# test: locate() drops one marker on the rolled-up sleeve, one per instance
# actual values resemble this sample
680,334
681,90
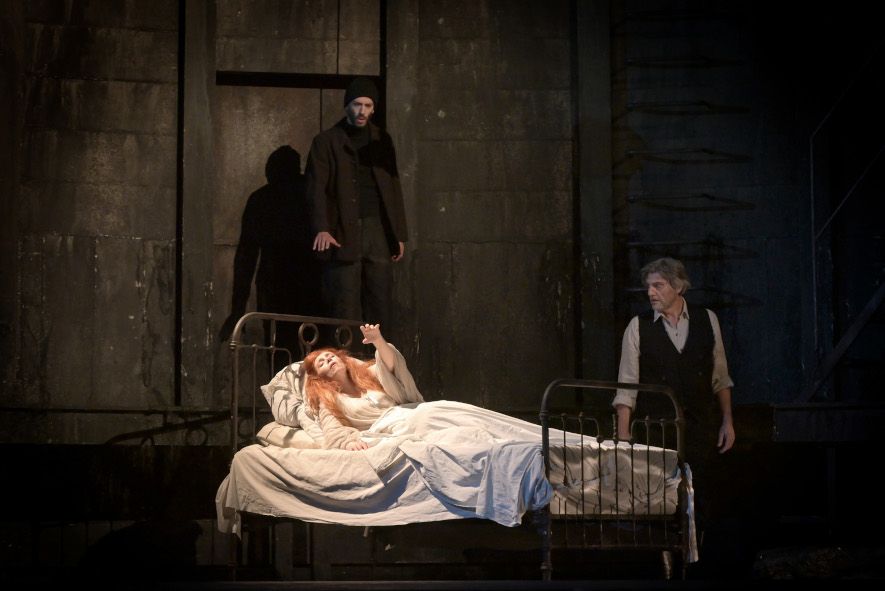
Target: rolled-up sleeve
398,384
628,372
721,379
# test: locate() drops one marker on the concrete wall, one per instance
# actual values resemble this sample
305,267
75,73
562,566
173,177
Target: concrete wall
708,164
92,196
251,121
713,110
709,168
118,221
481,118
494,276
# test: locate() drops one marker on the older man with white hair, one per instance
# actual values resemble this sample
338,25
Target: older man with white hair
682,348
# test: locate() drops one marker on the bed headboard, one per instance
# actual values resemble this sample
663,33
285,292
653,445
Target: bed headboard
263,343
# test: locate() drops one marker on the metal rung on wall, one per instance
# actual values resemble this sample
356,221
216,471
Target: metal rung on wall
683,108
688,61
673,15
688,156
698,202
712,249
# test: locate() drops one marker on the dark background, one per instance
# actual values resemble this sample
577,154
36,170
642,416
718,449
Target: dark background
547,151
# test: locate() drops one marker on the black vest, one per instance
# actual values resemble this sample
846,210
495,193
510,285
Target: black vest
689,373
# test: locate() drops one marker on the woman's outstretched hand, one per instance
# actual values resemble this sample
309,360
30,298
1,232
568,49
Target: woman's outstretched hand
371,334
356,445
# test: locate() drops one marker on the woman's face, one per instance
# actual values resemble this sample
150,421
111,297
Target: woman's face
328,365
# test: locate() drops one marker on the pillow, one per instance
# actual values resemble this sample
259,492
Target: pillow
279,435
290,380
284,395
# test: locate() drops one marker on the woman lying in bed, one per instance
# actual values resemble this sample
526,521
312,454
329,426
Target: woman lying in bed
356,403
346,394
417,461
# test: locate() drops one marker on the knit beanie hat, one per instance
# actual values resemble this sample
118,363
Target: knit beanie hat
361,87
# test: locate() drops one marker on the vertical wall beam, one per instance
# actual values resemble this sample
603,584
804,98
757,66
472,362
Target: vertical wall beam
195,202
11,120
399,69
598,351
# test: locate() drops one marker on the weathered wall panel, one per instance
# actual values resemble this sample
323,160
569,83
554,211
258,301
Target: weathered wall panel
96,223
68,310
250,123
359,41
93,105
104,13
494,201
11,121
96,209
71,51
709,169
194,225
299,37
28,366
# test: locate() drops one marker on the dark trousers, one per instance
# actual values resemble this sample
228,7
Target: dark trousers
360,290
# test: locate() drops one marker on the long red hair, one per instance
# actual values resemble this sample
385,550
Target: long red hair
320,391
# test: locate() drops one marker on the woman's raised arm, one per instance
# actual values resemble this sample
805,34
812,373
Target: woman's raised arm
372,334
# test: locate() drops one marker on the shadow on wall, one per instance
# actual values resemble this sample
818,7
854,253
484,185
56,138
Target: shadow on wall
276,237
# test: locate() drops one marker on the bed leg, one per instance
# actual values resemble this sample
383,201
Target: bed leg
542,523
233,556
667,564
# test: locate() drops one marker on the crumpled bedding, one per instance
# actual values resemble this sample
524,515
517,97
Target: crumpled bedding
609,479
447,460
426,462
431,461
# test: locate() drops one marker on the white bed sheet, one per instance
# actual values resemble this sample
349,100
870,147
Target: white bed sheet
606,479
427,462
446,460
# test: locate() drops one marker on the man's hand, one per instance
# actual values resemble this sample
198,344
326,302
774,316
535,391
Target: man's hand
402,250
324,241
726,436
623,411
356,445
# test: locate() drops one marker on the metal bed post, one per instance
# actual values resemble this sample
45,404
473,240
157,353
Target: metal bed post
678,422
344,338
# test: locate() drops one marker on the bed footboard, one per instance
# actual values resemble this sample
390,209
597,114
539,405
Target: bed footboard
608,493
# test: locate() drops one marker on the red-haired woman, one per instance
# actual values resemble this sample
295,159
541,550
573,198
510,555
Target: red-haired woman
347,395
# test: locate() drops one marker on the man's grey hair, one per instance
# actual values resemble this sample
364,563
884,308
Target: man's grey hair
670,269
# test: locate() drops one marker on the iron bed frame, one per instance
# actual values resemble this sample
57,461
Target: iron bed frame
581,531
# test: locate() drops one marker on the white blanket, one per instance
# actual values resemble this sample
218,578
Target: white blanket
426,462
445,460
604,478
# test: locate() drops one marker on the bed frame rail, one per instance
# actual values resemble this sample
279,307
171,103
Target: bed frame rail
287,338
565,406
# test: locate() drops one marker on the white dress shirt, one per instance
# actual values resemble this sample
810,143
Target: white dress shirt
629,369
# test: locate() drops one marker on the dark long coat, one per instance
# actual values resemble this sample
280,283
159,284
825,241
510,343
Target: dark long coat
333,189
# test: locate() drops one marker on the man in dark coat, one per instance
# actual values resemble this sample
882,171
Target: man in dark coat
357,209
